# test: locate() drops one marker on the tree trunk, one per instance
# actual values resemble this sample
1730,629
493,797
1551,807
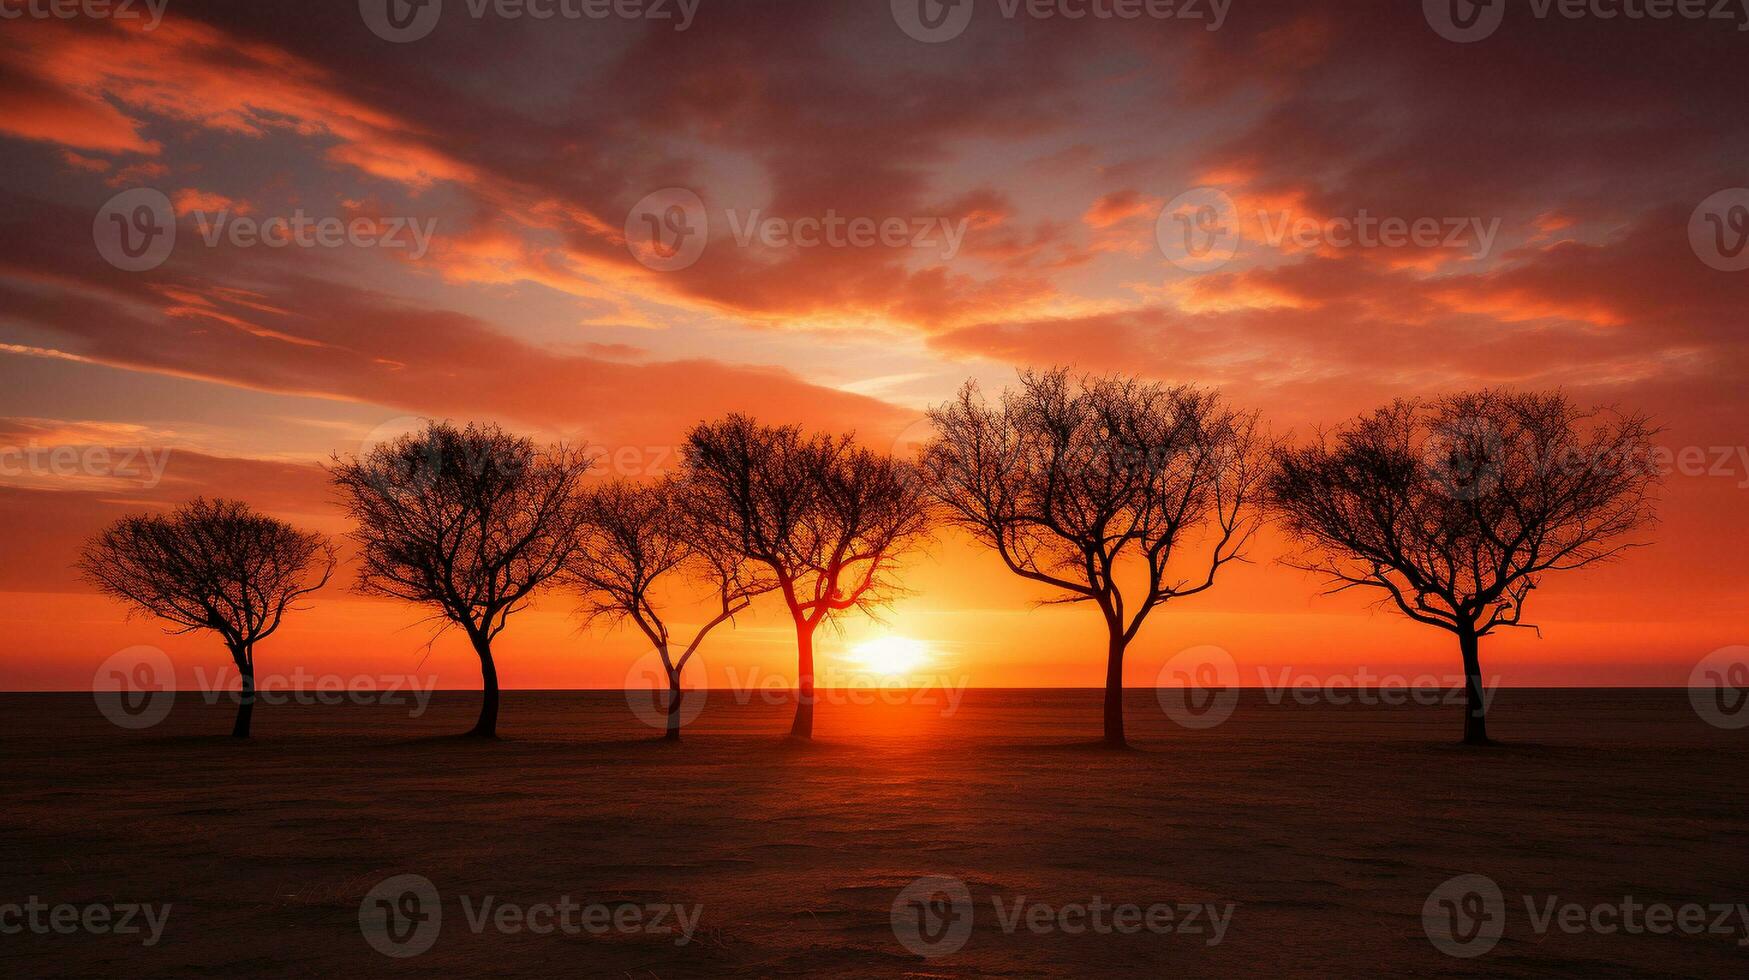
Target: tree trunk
1475,702
673,734
487,726
1114,735
804,723
245,694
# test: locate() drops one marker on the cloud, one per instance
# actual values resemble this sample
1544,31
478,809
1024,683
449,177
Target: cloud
296,334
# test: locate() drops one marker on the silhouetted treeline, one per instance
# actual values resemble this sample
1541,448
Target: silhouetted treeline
1113,491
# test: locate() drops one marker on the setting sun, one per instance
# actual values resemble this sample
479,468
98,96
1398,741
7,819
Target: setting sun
890,656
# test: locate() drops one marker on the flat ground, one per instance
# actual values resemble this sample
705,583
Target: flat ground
1326,828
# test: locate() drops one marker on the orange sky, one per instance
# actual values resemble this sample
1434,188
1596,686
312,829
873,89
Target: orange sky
1584,147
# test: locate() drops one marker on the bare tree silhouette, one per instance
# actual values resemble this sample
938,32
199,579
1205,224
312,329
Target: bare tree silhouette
641,537
1084,484
470,521
211,565
828,518
1453,509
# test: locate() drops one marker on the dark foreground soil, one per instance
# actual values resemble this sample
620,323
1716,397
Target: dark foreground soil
1322,830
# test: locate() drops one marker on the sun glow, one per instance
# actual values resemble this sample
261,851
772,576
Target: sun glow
890,656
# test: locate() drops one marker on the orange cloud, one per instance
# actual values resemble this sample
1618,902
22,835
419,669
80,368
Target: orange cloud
191,199
1120,206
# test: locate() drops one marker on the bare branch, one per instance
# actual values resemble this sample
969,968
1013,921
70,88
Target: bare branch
1082,484
1458,506
210,565
469,521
